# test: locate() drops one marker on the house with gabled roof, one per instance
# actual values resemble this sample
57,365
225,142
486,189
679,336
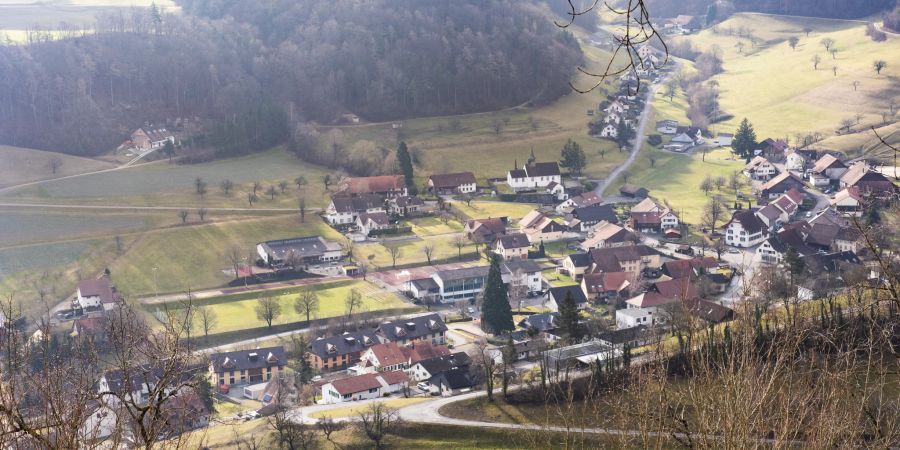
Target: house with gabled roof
426,327
149,138
607,234
689,268
780,184
868,182
96,294
772,149
343,210
829,167
242,367
485,230
772,251
393,356
556,295
586,218
383,185
541,228
745,229
579,201
632,191
452,183
364,387
534,175
848,201
772,216
300,250
759,168
605,285
513,245
795,161
339,351
366,223
632,259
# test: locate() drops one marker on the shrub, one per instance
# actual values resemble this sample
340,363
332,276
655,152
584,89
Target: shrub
654,140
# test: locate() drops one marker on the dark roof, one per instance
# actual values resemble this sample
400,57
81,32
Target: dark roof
458,378
303,247
678,289
524,265
707,310
517,173
543,321
686,267
596,213
748,221
342,344
440,364
515,240
248,359
645,218
452,180
580,259
426,284
790,238
360,203
144,375
408,200
607,259
379,217
493,225
412,328
558,294
624,336
463,273
785,180
831,262
632,189
542,169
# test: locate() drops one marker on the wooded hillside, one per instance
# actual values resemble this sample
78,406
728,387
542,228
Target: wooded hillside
837,9
245,64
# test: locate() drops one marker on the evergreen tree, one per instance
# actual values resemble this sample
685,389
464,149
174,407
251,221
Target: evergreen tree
793,261
204,390
406,167
623,134
744,140
711,13
573,157
496,314
569,318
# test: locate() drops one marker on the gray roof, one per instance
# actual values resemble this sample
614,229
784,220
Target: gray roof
248,359
303,247
425,284
360,203
342,344
514,240
596,213
525,265
412,328
458,378
542,169
558,294
463,273
581,259
543,321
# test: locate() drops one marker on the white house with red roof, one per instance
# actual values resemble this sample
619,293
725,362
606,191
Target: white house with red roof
848,201
94,294
364,387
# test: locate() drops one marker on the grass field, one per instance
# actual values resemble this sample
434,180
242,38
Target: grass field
426,226
352,411
193,257
778,89
236,312
163,184
21,165
481,210
29,226
412,251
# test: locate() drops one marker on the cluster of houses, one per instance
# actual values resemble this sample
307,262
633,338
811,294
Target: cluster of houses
388,359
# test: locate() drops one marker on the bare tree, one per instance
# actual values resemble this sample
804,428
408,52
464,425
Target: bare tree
226,186
706,185
834,70
713,212
816,60
267,309
377,422
855,84
497,124
651,156
301,204
199,185
307,302
807,30
54,164
879,65
352,302
202,214
363,268
428,249
289,434
394,252
282,186
485,366
719,182
847,124
735,182
184,215
271,192
300,181
793,41
459,241
833,52
234,257
827,43
256,187
208,319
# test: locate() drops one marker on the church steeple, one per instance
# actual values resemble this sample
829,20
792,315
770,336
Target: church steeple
532,158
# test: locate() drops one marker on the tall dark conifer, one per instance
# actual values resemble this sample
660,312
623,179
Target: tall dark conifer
569,318
406,167
496,314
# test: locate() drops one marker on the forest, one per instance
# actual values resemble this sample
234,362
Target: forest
246,65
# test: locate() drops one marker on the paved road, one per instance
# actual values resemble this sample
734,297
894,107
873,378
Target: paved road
638,138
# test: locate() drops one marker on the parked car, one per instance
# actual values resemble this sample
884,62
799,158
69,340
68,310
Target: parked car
424,386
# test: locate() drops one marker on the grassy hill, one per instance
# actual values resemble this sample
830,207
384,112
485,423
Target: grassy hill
22,165
778,89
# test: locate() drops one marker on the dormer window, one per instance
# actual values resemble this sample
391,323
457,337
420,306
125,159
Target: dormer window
367,340
350,340
271,358
411,325
253,356
399,331
228,363
331,348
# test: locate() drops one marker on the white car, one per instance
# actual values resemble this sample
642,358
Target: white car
424,386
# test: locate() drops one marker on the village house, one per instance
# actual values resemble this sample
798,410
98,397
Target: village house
632,336
422,328
540,228
556,295
632,191
366,223
453,382
667,126
429,368
868,182
772,217
534,175
485,230
384,185
826,170
301,251
557,190
711,312
243,367
392,356
616,107
93,328
609,131
607,234
848,201
136,383
613,118
724,139
634,317
452,183
779,185
407,206
344,210
340,351
633,259
450,285
745,229
685,23
795,161
96,294
513,245
575,265
759,168
586,218
578,201
772,149
147,138
602,286
689,268
772,251
522,273
364,387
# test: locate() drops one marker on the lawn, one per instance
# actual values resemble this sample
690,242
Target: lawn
236,312
164,184
193,256
778,89
428,226
557,279
21,165
481,210
676,179
352,411
24,226
412,251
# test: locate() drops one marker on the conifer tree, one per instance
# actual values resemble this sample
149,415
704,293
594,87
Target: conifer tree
744,140
406,167
569,318
496,314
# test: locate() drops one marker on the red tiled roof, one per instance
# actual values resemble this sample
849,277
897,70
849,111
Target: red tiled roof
395,377
685,268
359,383
368,185
679,288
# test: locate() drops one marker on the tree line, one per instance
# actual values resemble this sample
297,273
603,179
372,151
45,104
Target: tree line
254,72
